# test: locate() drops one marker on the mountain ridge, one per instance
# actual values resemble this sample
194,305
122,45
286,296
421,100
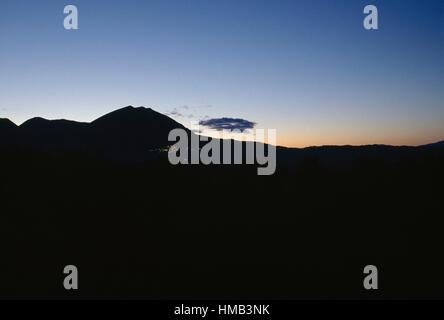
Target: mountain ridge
127,132
127,127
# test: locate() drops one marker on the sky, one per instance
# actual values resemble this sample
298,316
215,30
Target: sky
308,69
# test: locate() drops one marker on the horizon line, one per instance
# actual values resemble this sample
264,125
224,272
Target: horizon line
277,145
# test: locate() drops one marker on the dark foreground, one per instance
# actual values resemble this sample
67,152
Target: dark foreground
153,230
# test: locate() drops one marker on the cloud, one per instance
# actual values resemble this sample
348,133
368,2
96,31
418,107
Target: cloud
220,124
185,111
177,112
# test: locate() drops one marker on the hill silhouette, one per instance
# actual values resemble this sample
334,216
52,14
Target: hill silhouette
143,228
43,134
133,133
136,130
8,131
439,144
128,133
6,124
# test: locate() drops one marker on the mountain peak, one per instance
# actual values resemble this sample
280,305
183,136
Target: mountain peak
132,127
8,131
6,123
132,109
34,121
125,132
133,117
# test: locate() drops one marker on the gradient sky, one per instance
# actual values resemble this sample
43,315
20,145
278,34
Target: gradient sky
306,68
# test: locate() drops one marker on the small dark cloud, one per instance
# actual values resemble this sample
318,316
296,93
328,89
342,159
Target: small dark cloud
220,124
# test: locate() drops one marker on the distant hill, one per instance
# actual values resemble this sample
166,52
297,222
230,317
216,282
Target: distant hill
439,144
8,131
139,133
141,228
7,124
6,127
133,128
125,133
54,134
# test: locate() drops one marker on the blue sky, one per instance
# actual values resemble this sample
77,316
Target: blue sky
306,68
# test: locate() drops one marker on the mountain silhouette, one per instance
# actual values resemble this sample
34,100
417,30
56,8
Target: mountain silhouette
65,199
8,131
133,128
6,124
439,144
132,133
39,133
124,133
